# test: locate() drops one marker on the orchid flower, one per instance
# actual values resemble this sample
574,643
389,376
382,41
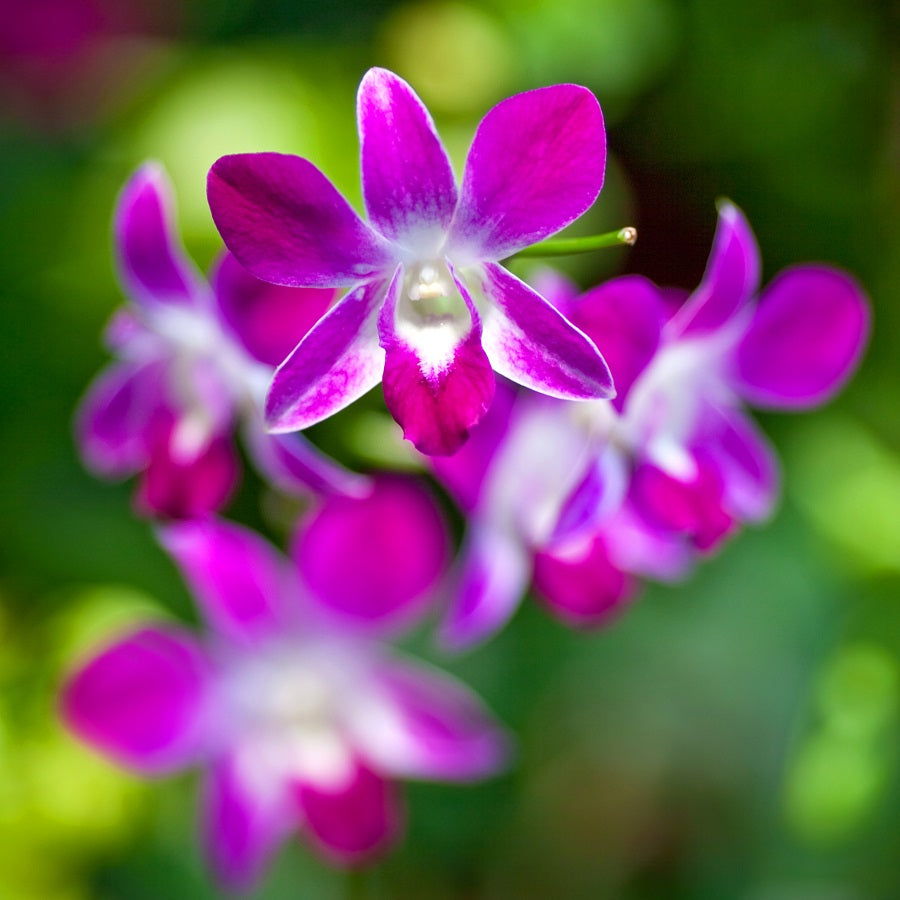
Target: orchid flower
580,497
430,311
194,361
301,716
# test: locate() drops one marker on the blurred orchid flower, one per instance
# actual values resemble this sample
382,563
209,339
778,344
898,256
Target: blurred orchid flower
299,713
430,311
580,497
194,361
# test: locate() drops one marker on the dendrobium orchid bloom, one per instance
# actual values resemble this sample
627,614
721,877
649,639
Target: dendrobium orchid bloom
578,495
430,311
195,359
302,718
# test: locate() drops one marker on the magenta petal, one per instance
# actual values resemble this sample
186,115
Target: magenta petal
436,396
238,579
151,260
805,339
407,180
691,506
354,822
437,412
241,832
296,466
375,559
536,165
636,545
113,420
184,488
748,467
494,571
531,343
141,701
287,223
446,732
730,280
268,319
624,318
583,587
336,363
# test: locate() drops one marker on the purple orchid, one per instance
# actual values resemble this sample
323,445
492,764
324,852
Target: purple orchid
430,312
578,495
194,361
302,718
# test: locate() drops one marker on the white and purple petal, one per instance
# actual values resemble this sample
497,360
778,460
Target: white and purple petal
151,261
535,165
239,580
336,363
142,701
529,342
241,829
113,421
493,574
433,727
407,180
296,466
747,464
805,339
287,223
375,560
730,281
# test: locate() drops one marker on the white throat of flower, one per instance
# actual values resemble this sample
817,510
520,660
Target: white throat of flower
432,317
286,708
193,340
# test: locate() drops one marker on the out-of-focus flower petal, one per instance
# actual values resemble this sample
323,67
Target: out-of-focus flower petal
730,280
748,466
294,465
437,380
241,829
805,340
531,343
624,318
437,728
494,570
152,263
535,165
582,587
268,319
596,496
408,184
374,560
183,486
142,701
636,545
464,472
690,505
337,362
113,420
287,223
238,578
355,821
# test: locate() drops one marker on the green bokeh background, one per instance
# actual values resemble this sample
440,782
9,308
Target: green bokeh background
732,737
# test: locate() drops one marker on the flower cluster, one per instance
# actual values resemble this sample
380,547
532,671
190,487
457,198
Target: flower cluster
629,456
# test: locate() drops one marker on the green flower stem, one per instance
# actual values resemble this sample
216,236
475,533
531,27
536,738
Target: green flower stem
567,246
